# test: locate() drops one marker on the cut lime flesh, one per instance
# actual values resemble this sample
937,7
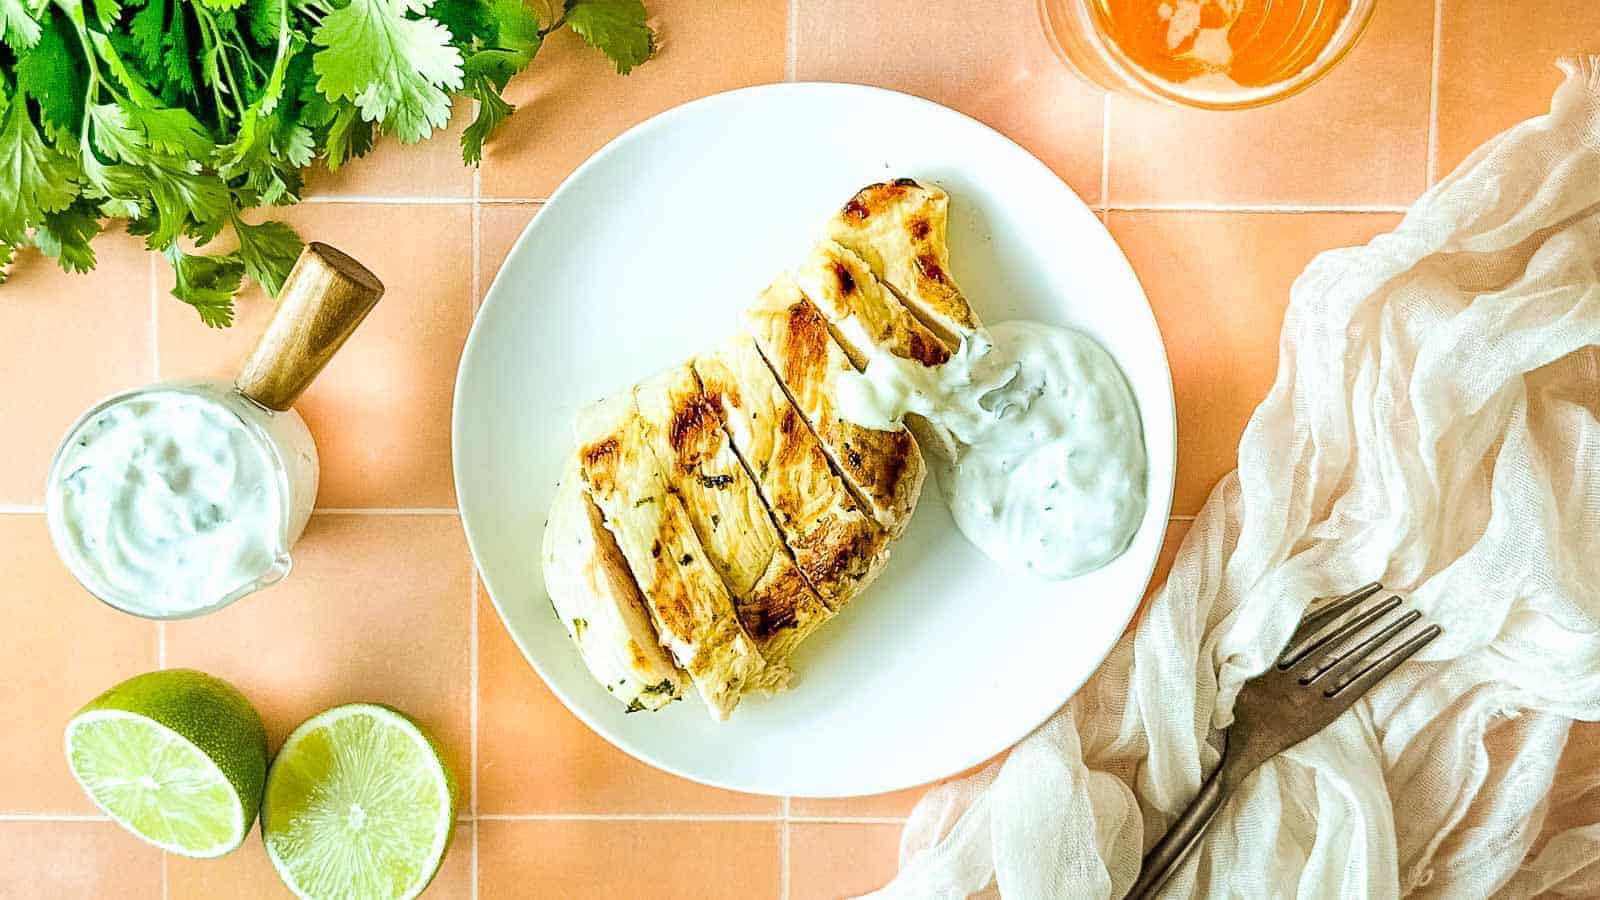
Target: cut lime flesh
358,805
155,783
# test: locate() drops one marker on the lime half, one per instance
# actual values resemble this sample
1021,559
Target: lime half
359,805
176,756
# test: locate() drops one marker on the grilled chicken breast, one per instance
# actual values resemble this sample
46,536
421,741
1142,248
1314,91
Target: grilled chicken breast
861,313
884,468
900,229
684,428
844,289
692,611
837,546
595,597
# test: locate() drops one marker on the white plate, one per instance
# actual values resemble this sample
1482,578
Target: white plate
645,255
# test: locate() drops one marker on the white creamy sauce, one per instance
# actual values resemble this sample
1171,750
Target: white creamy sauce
1048,469
169,503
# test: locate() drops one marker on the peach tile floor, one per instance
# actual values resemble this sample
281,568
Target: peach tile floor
1218,213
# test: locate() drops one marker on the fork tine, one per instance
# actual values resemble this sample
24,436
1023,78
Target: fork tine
1351,658
1360,682
1333,609
1336,637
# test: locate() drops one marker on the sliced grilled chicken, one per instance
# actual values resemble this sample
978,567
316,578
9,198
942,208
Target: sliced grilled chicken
684,428
691,609
861,312
900,229
838,547
884,468
596,598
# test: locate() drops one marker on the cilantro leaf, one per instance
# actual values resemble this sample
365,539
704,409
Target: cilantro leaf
268,251
173,131
17,27
207,283
112,133
52,72
34,178
616,28
466,19
266,18
348,137
148,30
492,110
65,235
395,68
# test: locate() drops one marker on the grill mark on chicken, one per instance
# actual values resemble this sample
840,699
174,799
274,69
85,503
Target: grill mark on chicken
600,462
919,229
842,276
928,265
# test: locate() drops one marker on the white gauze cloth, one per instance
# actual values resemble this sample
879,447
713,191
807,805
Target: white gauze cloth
1435,424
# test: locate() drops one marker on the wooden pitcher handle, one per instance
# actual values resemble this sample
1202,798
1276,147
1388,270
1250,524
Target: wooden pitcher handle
325,297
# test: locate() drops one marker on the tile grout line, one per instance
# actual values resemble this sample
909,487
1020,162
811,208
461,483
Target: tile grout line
1431,172
20,509
472,571
1257,208
1105,153
165,858
51,817
627,817
354,200
385,511
1180,518
785,877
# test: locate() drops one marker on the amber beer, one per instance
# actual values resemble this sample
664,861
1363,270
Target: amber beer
1218,53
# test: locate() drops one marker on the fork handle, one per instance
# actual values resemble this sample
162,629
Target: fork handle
1164,857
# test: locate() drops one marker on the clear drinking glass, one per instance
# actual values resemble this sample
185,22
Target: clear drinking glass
1210,54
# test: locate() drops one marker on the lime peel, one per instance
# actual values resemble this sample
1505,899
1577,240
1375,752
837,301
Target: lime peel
175,756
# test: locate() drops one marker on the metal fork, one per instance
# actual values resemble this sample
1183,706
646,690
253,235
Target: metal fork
1318,676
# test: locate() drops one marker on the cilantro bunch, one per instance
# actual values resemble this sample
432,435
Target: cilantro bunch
178,115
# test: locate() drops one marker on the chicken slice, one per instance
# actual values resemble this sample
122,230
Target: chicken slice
884,468
844,289
596,598
684,428
693,614
900,229
837,546
862,313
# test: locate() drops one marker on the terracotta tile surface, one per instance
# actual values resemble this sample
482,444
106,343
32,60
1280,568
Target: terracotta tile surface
830,861
432,168
988,60
1219,283
76,859
897,804
247,873
601,860
73,339
380,412
1357,137
572,770
380,603
1478,101
377,609
571,101
61,648
499,227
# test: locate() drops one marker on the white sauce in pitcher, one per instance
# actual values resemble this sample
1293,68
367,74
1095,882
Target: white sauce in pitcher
1048,473
167,503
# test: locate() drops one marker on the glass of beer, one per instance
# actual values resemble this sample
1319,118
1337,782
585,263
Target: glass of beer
1212,54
